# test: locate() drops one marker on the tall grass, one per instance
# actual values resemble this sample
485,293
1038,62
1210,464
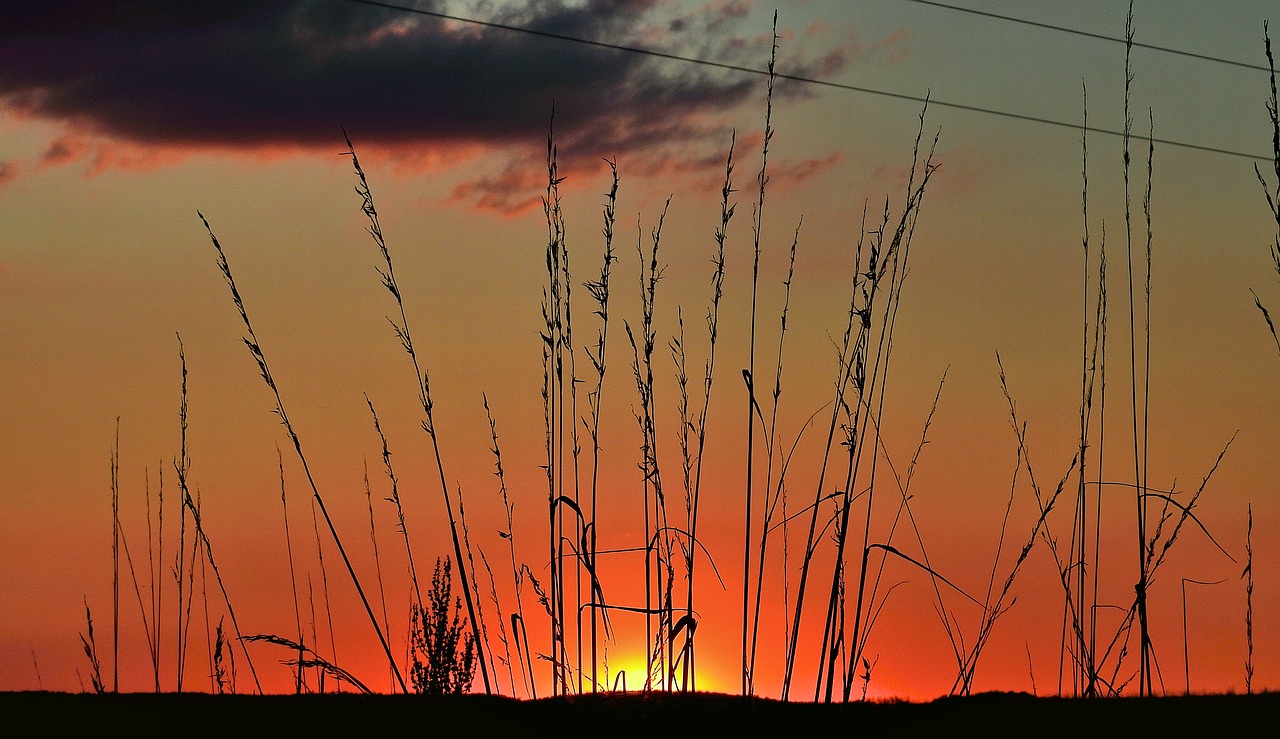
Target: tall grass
517,577
377,559
1272,195
748,374
148,627
1085,644
599,292
200,539
774,489
115,562
842,525
293,575
554,308
699,430
656,540
154,567
423,383
507,534
394,499
1270,192
1247,574
255,350
120,542
993,609
877,292
90,645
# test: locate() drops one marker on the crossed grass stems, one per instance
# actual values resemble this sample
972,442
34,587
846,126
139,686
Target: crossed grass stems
1095,661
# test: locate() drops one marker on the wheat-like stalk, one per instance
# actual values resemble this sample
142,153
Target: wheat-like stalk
255,351
421,379
599,291
762,179
713,326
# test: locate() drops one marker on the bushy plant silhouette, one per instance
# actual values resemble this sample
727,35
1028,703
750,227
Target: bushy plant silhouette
444,657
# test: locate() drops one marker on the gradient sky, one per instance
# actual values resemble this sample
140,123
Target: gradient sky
116,126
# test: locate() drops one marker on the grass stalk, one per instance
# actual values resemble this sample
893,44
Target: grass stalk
377,560
689,678
1247,574
1273,197
967,660
994,609
762,180
394,499
1146,333
517,577
293,577
255,350
502,633
599,291
1100,352
680,358
770,446
1273,205
324,587
936,580
575,448
153,634
193,556
1186,657
553,407
90,646
312,660
191,507
844,373
423,383
210,639
1144,673
147,624
480,639
182,467
180,639
887,261
157,576
899,254
657,552
1072,624
1083,592
115,562
1081,523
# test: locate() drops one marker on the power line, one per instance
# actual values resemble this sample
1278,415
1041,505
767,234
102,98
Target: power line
1099,36
929,100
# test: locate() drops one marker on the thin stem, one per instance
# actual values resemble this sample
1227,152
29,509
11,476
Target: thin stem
749,373
255,350
423,383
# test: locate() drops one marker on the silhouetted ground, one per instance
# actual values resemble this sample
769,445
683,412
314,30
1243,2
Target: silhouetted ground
699,714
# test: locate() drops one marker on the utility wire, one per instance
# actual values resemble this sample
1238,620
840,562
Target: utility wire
1088,34
929,100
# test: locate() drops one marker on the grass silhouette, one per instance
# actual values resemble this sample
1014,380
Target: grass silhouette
845,537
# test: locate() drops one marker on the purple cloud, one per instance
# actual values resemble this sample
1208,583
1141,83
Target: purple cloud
288,74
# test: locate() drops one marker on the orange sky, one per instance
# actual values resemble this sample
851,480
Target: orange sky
104,264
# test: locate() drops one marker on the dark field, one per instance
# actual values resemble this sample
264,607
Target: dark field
703,714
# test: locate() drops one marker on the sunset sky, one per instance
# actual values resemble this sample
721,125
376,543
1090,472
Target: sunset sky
119,124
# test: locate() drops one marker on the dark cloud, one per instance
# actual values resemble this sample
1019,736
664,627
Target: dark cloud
63,17
245,74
